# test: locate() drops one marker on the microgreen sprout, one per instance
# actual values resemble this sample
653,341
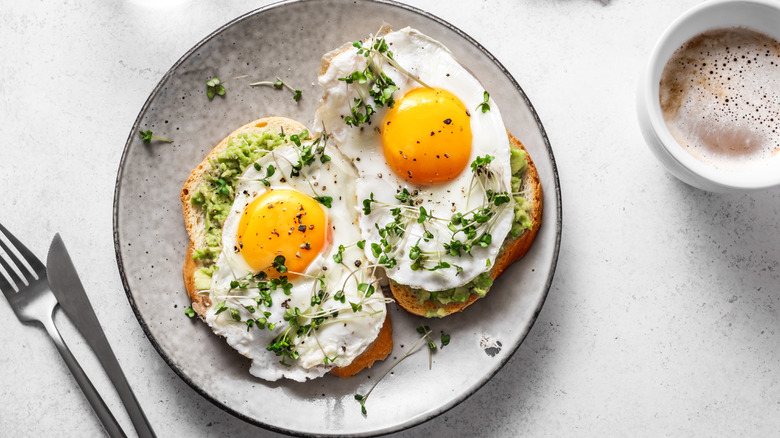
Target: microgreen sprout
423,215
222,186
425,331
367,204
278,84
308,153
147,137
484,106
220,307
214,88
405,197
367,289
269,172
279,264
339,256
189,311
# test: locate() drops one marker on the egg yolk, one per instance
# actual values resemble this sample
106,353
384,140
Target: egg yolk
426,136
282,222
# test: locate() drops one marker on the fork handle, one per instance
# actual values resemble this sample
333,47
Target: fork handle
98,405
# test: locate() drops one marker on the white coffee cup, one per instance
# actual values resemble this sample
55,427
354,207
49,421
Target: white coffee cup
759,15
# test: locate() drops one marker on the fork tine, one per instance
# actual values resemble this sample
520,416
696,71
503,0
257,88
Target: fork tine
35,264
20,280
5,286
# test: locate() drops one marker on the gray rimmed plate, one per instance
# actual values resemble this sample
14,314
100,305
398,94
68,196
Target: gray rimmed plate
287,40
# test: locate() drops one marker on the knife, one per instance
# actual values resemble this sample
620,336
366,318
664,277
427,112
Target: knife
65,284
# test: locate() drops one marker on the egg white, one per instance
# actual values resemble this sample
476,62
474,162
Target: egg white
354,331
435,65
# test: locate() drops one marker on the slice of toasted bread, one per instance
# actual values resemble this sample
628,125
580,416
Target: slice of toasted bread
193,216
511,250
194,220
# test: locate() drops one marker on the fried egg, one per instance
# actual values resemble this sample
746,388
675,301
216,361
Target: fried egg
434,166
278,295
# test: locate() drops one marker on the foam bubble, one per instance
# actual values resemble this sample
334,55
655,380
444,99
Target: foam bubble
720,97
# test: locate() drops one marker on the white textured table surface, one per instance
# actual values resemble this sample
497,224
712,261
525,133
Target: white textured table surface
664,314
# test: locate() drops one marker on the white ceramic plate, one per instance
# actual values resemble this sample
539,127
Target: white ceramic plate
287,40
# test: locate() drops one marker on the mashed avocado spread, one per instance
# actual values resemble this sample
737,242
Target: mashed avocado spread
217,191
480,284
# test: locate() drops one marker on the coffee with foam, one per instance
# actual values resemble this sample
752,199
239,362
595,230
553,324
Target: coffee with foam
720,97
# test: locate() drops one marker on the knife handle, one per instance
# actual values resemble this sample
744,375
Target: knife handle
117,377
99,344
98,405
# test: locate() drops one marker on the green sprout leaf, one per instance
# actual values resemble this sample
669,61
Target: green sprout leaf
278,84
376,249
423,215
214,88
367,289
367,204
147,137
279,264
221,307
324,200
405,197
484,107
501,198
339,256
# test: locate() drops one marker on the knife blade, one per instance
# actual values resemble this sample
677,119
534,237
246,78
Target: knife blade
66,285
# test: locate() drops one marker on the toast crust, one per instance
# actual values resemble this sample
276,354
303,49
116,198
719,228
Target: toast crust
379,349
510,252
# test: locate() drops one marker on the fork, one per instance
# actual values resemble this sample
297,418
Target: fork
27,290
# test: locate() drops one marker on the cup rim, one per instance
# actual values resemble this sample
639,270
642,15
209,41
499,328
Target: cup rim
724,179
